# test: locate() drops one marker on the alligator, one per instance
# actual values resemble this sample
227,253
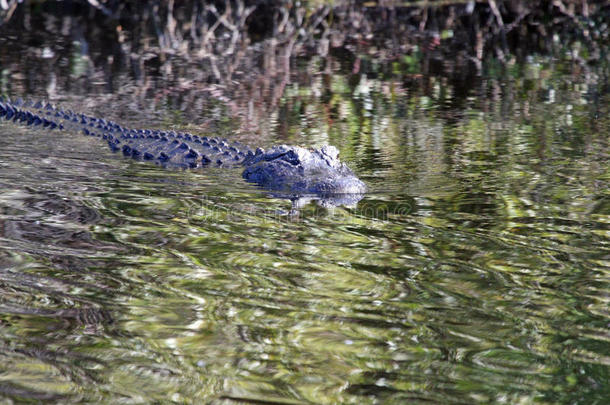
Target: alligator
291,172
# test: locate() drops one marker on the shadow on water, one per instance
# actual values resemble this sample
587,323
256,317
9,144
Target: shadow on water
476,269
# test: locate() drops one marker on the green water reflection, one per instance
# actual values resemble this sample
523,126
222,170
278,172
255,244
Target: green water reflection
476,270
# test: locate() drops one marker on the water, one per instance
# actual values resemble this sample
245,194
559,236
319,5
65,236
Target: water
477,269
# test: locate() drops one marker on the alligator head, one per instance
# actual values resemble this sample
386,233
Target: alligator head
316,174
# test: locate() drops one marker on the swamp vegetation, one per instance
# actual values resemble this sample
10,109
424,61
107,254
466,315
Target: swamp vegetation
475,270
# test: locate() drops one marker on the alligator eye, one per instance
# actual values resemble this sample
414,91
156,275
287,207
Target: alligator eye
291,157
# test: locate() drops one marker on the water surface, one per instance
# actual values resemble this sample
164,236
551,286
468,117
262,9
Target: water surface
477,269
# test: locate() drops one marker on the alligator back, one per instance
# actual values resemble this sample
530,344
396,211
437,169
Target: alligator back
167,148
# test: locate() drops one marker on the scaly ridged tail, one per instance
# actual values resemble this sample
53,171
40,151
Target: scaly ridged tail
168,148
